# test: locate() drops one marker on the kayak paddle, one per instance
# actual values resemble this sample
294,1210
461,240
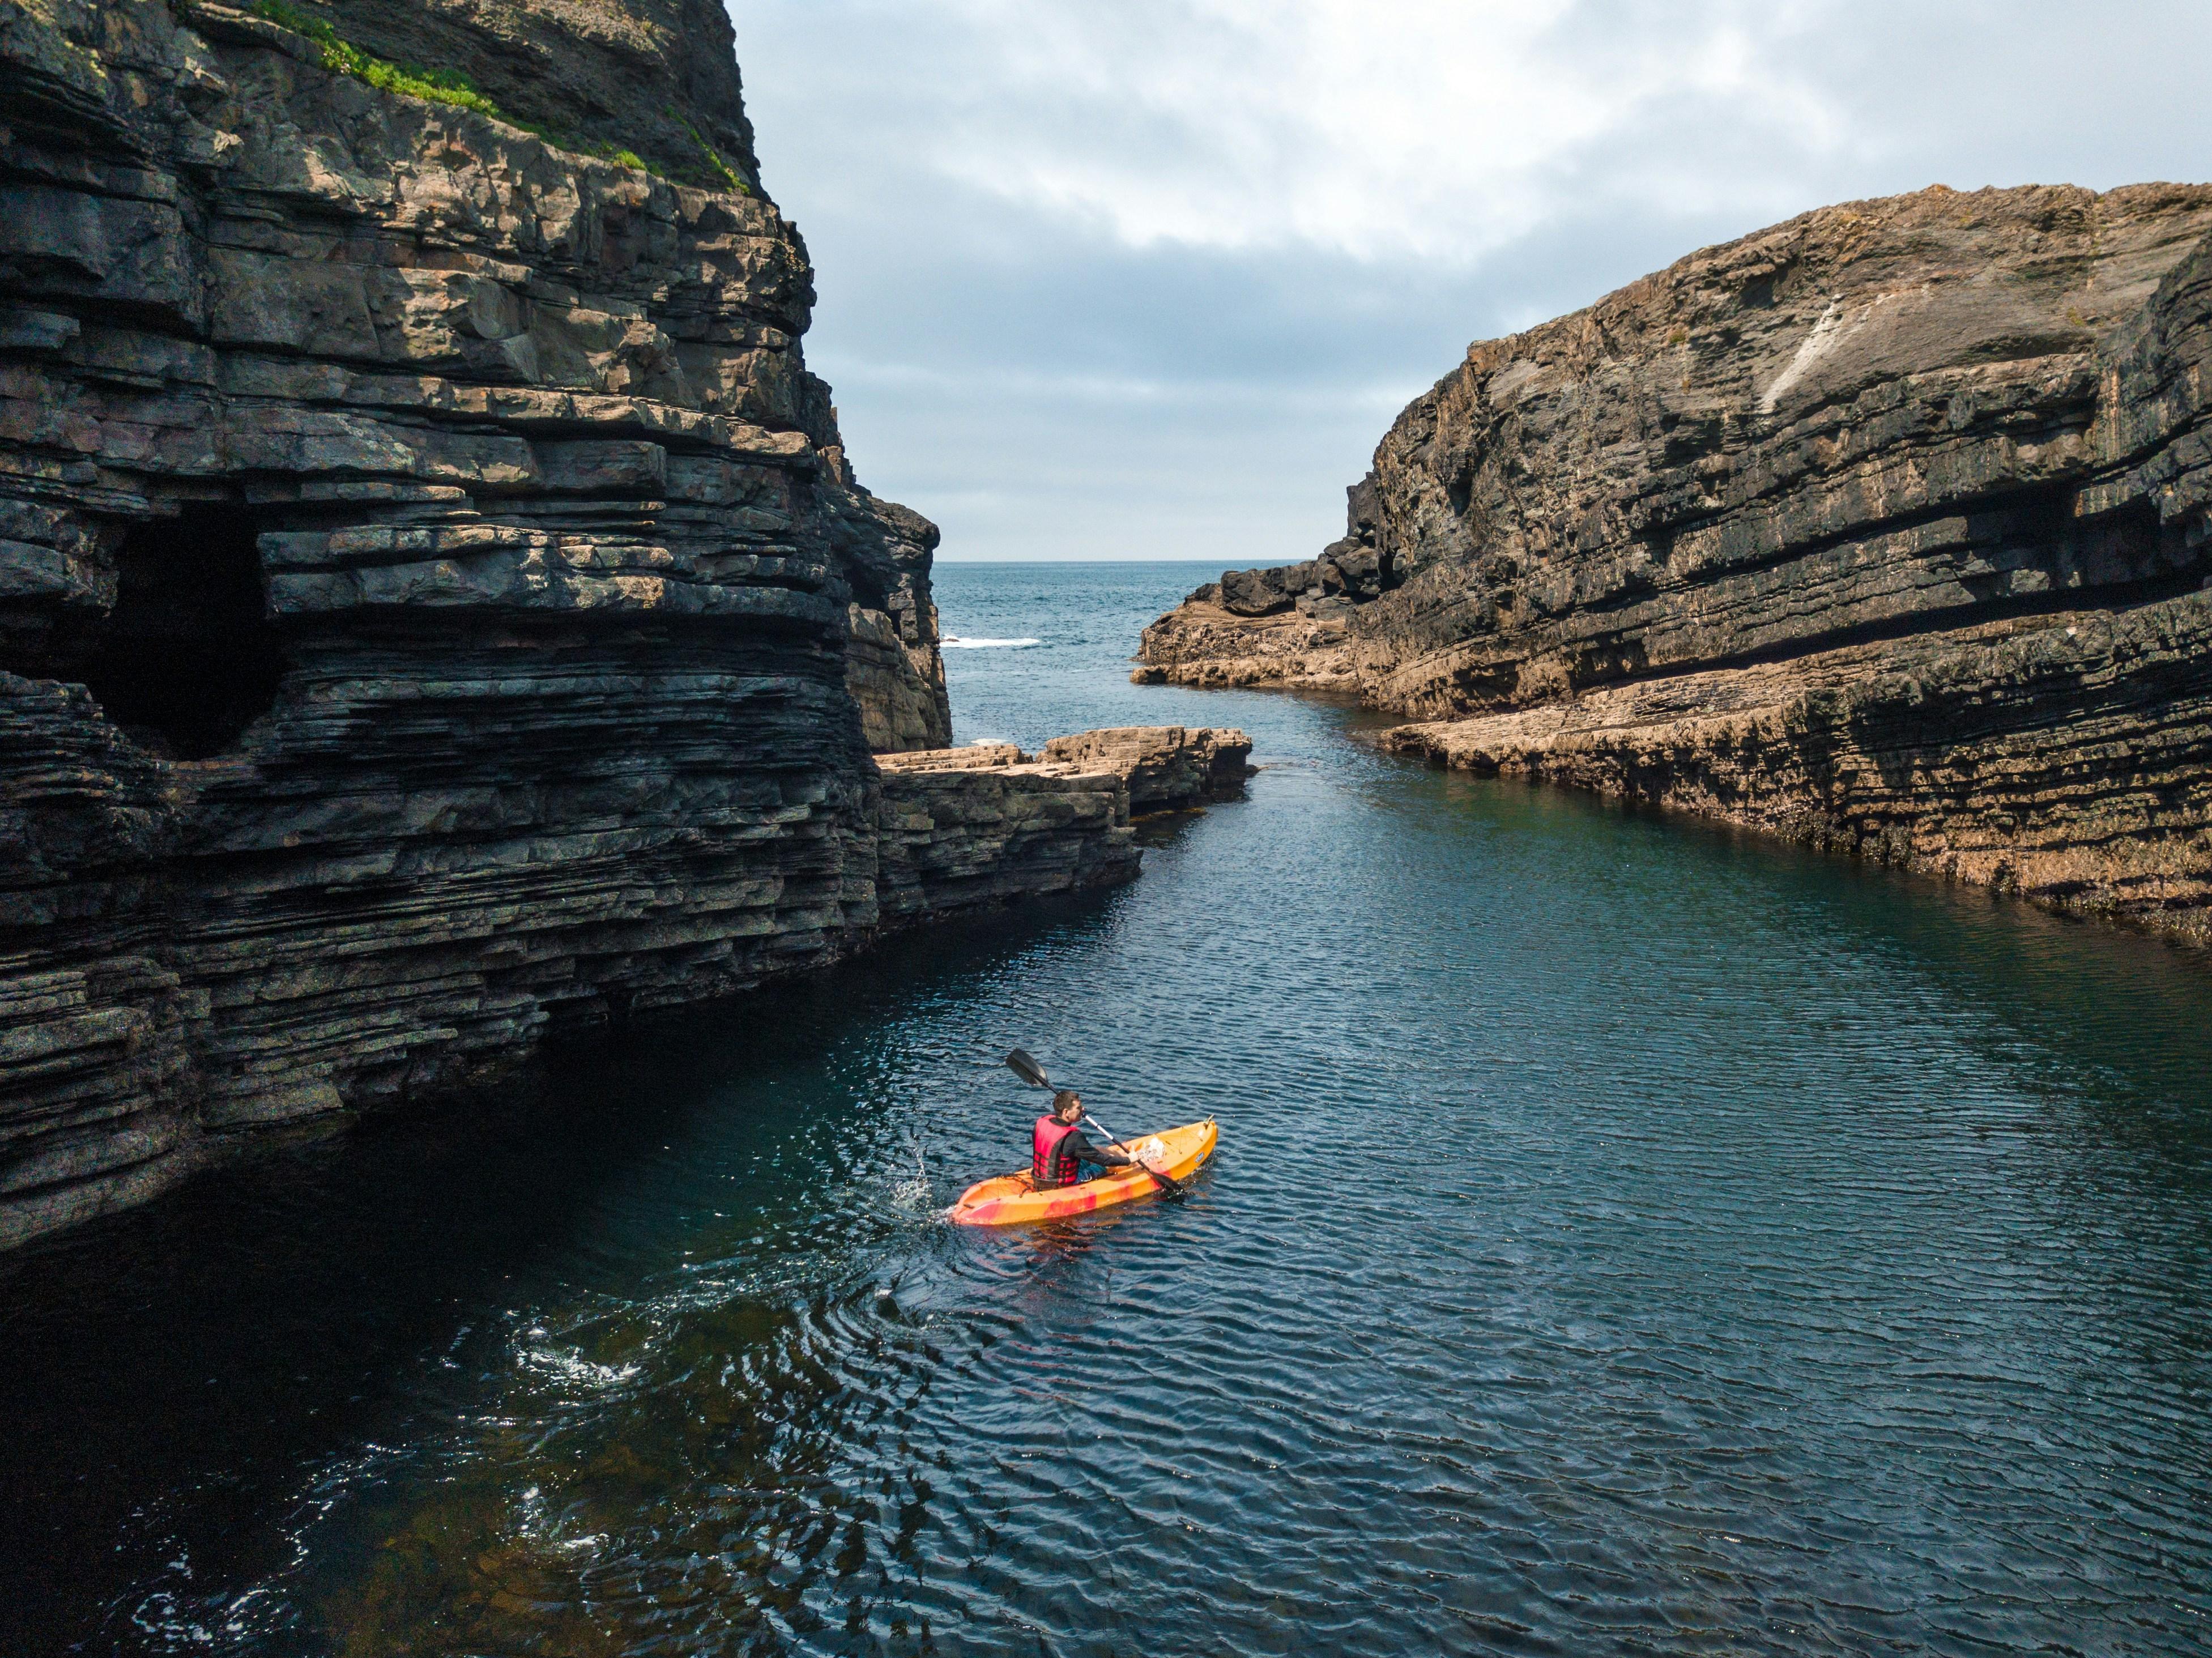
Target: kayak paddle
1033,1073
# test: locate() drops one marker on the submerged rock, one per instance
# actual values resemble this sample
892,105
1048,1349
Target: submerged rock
1888,527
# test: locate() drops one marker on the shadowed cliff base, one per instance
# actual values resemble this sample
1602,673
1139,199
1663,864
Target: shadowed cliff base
1887,529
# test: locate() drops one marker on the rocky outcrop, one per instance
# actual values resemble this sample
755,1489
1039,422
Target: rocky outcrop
2068,758
1166,767
977,825
1886,528
435,603
970,828
1201,642
1158,767
657,79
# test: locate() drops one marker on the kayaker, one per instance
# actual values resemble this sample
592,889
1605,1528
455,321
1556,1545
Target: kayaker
1059,1147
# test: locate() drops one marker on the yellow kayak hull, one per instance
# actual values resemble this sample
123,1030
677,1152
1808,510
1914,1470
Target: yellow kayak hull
1010,1200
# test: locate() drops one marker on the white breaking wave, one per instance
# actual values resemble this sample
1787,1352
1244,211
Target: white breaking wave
957,643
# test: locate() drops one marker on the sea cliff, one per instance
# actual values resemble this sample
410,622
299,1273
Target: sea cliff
435,604
1889,528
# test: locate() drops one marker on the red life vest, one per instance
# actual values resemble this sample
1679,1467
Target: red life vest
1050,1167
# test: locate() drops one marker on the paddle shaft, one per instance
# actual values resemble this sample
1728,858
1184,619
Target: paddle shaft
1159,1174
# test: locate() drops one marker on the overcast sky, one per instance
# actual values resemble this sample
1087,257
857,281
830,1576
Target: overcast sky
1149,279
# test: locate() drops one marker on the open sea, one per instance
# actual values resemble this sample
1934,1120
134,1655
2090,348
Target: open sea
1627,1236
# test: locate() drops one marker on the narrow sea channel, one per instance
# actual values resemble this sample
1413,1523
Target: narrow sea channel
1627,1237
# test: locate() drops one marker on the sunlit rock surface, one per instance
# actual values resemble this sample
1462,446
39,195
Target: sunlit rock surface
1886,528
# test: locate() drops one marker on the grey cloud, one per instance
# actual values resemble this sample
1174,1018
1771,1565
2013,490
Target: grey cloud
1044,388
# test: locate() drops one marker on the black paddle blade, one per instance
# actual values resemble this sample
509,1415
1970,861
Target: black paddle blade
1027,1069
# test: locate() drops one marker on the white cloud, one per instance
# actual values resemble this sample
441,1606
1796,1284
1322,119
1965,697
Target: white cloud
1373,128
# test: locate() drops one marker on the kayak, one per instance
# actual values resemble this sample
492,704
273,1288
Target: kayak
1009,1200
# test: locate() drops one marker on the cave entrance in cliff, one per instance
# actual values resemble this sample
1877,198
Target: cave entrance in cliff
188,658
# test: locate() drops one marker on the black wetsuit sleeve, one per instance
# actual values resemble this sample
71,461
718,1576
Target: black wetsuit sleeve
1102,1156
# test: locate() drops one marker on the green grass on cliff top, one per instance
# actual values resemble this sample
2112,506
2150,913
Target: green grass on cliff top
439,85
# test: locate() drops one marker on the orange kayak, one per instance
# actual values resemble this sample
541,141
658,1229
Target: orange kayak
1007,1199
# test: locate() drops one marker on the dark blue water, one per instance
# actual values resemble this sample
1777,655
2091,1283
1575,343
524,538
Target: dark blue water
1627,1237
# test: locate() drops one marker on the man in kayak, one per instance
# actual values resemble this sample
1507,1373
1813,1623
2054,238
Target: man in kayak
1059,1147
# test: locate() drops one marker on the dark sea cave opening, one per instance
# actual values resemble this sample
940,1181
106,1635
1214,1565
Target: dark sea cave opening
188,658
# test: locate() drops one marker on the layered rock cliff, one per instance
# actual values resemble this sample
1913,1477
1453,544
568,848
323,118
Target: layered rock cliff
1887,528
435,603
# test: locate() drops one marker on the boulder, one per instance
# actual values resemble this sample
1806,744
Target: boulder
1265,592
1352,567
1253,592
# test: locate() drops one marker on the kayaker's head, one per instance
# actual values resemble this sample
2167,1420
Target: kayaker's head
1067,1106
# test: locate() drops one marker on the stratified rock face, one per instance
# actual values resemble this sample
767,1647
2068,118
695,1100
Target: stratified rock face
965,828
2068,758
1884,526
1202,642
1158,767
434,601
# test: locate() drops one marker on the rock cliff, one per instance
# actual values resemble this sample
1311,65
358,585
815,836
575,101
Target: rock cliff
1887,528
434,602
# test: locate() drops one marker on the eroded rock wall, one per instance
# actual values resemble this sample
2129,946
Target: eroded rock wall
1160,768
1886,527
971,827
432,587
658,78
